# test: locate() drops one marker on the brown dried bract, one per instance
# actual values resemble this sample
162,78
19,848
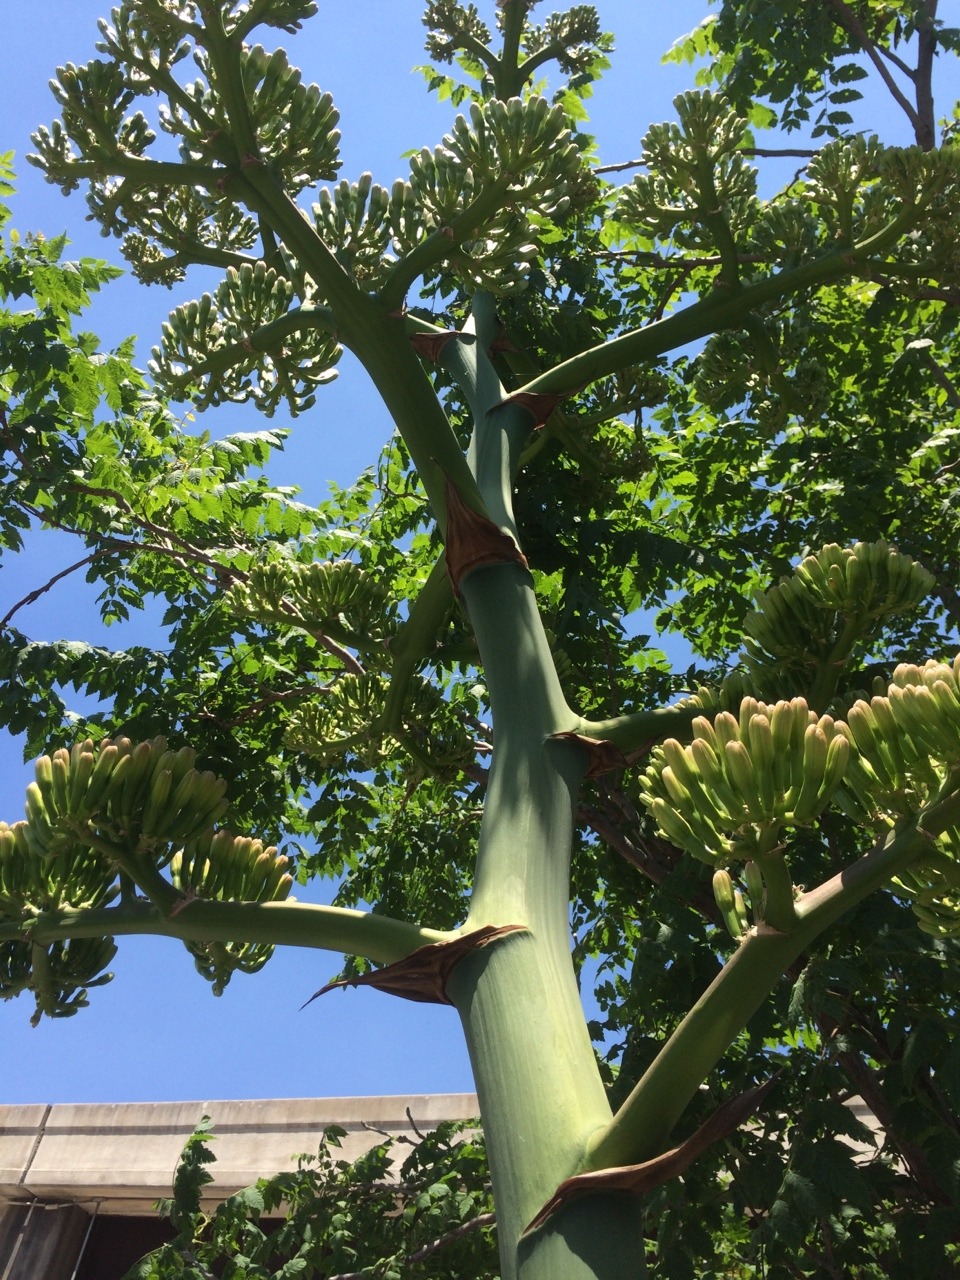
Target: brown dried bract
604,756
424,973
639,1179
431,345
473,540
539,407
503,343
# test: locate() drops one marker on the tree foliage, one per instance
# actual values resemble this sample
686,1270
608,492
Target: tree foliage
677,410
426,1213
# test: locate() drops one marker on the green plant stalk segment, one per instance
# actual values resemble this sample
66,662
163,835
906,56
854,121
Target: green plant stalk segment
291,924
541,1095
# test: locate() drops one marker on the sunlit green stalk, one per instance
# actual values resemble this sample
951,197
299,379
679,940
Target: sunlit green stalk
711,314
293,924
541,1095
643,1124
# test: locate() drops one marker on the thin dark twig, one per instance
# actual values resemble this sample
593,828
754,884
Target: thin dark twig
775,153
183,557
142,522
647,860
897,61
661,262
940,375
413,1124
113,495
855,28
770,153
879,273
338,651
261,704
618,168
391,1137
113,543
481,1220
35,595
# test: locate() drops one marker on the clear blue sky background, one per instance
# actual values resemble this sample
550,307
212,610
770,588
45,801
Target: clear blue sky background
156,1033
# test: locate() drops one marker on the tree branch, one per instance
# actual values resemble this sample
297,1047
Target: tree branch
942,378
926,52
663,262
896,61
481,1220
35,595
864,1080
254,708
855,28
645,856
773,153
111,543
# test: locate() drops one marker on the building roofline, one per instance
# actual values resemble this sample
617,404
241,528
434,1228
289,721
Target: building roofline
121,1157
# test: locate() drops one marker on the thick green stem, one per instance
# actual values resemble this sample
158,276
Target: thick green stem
828,673
415,640
377,339
540,1099
527,706
226,78
642,1125
441,244
507,77
141,870
149,174
640,729
380,343
293,924
541,1096
714,218
268,337
500,429
779,908
718,311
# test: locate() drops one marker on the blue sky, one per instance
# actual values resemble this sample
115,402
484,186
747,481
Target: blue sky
156,1032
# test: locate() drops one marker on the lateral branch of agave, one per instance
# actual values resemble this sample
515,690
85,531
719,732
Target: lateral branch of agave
104,820
733,793
807,625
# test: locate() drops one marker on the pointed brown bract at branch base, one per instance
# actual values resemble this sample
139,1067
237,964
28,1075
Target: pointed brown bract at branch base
423,974
431,345
604,756
639,1179
539,407
503,343
473,540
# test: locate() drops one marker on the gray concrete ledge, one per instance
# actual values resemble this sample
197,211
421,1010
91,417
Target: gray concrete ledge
122,1156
